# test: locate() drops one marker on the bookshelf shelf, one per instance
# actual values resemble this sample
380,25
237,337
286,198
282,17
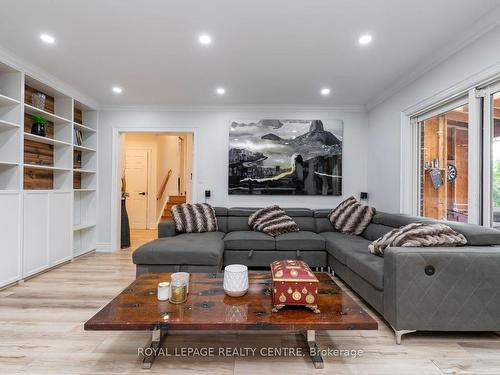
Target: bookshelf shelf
46,167
83,226
45,140
7,125
83,148
83,128
7,101
29,109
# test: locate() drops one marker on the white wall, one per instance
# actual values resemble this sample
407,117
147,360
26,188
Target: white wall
211,155
384,135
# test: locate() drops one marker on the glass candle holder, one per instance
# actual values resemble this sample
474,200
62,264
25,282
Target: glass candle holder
178,291
38,100
181,276
163,291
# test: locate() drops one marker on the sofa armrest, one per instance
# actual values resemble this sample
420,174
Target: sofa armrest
442,288
166,228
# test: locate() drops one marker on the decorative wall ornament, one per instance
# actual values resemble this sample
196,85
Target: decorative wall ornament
286,157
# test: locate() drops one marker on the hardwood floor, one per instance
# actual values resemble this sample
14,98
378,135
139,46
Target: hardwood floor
41,332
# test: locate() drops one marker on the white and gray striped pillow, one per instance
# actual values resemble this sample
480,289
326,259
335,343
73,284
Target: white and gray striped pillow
273,221
351,217
417,235
194,218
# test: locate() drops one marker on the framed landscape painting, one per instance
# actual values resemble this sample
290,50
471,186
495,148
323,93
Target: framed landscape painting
286,157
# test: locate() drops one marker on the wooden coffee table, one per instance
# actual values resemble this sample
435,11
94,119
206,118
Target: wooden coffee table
208,308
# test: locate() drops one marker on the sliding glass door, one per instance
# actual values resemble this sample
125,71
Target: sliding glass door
491,164
444,169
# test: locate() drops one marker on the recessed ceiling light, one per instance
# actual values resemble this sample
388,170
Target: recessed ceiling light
49,39
365,39
325,91
117,90
220,90
205,39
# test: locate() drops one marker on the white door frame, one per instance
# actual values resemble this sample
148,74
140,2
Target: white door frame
115,175
410,169
487,93
470,86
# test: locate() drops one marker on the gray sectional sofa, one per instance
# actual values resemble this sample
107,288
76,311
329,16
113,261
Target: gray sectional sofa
441,289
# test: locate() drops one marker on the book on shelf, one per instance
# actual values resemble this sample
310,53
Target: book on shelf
78,137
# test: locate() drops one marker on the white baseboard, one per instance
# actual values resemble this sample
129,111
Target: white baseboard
104,247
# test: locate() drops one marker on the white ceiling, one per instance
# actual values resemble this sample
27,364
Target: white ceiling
263,52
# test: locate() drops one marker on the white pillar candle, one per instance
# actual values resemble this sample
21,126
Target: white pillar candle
164,291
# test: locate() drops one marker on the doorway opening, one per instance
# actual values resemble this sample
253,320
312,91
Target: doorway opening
156,173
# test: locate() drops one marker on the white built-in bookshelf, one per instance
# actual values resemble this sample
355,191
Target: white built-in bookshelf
48,184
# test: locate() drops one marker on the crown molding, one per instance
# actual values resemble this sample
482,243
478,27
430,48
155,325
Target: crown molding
482,26
16,62
235,108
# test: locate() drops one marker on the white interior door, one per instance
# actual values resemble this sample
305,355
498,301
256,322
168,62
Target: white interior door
136,175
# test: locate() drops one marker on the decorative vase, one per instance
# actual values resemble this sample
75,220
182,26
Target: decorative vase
125,234
38,129
235,280
38,100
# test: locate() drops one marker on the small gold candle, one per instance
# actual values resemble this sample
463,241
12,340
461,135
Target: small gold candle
178,291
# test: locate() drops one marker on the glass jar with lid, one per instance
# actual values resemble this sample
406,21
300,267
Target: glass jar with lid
178,291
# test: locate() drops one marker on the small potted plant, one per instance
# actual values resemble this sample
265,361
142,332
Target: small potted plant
38,127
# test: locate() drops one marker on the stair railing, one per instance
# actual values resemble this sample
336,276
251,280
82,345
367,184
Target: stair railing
164,185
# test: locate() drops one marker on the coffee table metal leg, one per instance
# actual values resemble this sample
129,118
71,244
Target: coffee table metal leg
157,337
314,353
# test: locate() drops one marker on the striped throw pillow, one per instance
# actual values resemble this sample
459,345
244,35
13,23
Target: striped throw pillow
351,217
417,235
272,221
194,218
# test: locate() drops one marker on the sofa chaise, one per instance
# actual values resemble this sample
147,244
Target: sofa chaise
425,288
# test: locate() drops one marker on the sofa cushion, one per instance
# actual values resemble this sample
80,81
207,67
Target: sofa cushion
187,248
368,266
248,240
397,220
303,240
322,213
324,225
340,245
476,235
353,252
374,231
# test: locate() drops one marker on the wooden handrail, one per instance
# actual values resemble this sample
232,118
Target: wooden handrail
164,185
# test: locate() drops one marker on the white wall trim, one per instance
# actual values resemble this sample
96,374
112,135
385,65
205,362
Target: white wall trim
104,247
474,32
236,108
115,175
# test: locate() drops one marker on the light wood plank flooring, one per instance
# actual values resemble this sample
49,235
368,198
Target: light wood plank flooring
41,332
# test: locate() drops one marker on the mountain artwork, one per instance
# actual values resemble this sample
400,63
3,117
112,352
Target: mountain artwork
286,157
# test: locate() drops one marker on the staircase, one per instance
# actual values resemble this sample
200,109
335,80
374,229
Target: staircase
172,201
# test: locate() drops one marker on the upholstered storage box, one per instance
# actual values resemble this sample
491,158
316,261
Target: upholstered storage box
294,284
